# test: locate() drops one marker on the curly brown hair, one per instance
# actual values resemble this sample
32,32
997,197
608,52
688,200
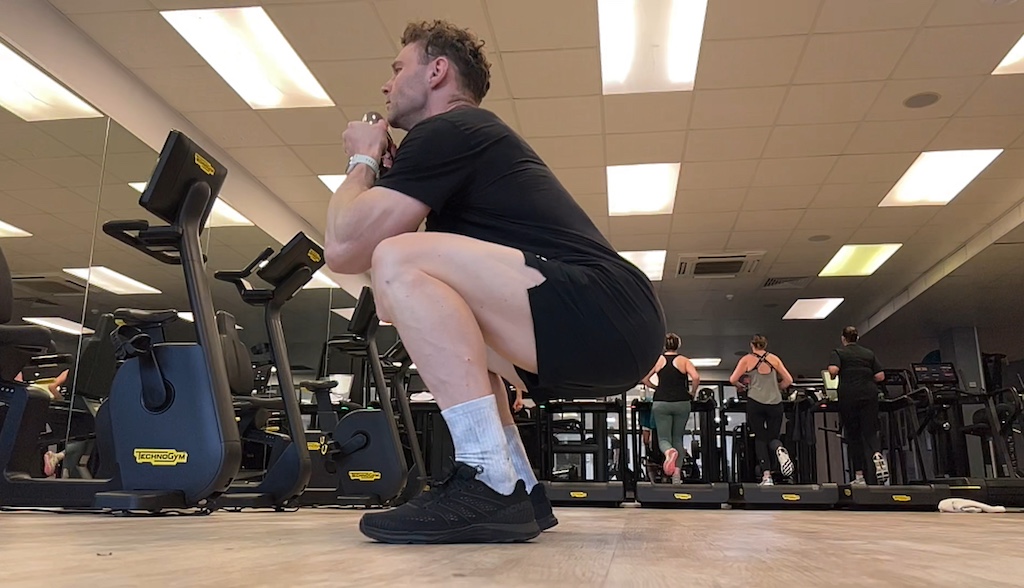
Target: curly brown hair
460,46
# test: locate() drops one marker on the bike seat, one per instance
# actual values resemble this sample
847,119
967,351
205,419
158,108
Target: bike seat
260,402
137,317
318,385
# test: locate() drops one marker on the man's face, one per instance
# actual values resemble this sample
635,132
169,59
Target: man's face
407,90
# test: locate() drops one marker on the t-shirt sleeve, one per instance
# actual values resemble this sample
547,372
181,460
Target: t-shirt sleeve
833,358
433,163
876,366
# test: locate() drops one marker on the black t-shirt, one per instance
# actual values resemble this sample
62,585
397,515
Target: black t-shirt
482,180
673,385
857,368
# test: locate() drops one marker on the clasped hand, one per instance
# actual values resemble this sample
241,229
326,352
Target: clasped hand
362,138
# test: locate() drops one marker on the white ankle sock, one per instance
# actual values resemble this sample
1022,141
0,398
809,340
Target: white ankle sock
480,442
520,461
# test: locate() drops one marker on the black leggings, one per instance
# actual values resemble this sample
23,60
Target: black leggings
859,418
765,421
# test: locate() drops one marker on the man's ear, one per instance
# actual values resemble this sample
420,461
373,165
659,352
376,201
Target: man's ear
439,70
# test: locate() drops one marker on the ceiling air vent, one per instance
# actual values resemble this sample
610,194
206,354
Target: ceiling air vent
40,286
786,283
718,265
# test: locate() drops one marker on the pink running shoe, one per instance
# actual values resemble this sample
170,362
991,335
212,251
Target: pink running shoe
50,462
669,467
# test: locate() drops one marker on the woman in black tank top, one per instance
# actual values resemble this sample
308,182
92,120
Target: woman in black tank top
671,407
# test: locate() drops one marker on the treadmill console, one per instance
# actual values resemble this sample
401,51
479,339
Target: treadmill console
935,374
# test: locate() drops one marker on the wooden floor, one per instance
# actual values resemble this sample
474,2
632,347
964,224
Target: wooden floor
591,547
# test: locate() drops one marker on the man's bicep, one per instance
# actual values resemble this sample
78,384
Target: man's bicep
383,213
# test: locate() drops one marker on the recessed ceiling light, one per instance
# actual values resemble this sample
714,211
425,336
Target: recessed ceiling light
33,96
649,45
139,187
859,260
107,279
812,308
7,230
246,48
332,182
188,316
648,188
222,214
922,100
706,361
1013,62
936,177
651,263
59,324
320,281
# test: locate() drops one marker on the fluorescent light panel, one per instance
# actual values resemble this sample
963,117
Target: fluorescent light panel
7,230
320,280
651,263
705,361
188,316
936,177
648,188
1013,63
222,214
859,260
812,308
333,182
33,96
345,313
649,45
57,323
107,279
246,48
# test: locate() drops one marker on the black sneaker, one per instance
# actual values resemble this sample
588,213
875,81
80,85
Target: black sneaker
542,507
461,509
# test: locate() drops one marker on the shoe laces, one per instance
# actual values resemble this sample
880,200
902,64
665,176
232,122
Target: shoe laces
458,477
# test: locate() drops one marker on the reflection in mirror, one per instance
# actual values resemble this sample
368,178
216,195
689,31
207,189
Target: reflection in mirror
52,146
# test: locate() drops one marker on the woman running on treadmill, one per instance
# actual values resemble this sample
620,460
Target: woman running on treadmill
671,407
759,372
859,374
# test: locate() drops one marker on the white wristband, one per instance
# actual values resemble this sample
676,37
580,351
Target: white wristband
365,159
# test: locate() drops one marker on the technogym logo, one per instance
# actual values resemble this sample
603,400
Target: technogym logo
160,457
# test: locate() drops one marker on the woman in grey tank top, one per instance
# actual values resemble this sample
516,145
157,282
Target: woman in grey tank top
758,374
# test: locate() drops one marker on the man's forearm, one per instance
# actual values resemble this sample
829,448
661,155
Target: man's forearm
339,217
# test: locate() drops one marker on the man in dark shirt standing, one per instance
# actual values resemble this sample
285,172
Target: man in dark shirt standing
859,374
511,280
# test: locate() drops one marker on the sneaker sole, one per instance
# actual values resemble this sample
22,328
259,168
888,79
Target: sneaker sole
547,522
881,470
669,467
785,463
482,533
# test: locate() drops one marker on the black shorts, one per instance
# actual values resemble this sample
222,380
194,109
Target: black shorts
599,331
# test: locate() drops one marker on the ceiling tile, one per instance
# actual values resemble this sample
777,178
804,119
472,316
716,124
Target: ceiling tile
998,95
354,82
793,172
717,174
270,161
54,199
825,219
856,169
559,117
322,159
745,63
985,132
647,113
553,74
639,242
721,200
337,30
743,107
852,57
851,195
759,220
314,212
505,109
899,216
584,180
828,103
192,89
86,136
93,6
779,197
595,205
943,52
703,222
651,224
534,25
119,196
1007,165
893,234
601,222
139,39
235,129
738,19
953,91
10,206
563,152
14,176
129,167
626,149
470,14
870,15
298,188
726,144
25,141
894,136
757,240
306,126
954,12
808,140
698,242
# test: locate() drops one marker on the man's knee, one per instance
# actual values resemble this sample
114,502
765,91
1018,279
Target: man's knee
391,261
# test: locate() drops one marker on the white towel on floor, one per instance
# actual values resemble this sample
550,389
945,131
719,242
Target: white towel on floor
965,505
